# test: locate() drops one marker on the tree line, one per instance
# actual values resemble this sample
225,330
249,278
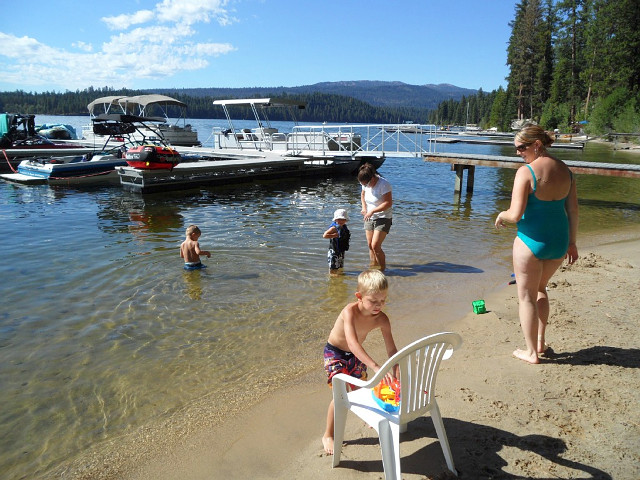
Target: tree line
572,63
320,107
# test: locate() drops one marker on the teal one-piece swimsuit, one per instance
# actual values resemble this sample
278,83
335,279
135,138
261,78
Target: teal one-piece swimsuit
544,227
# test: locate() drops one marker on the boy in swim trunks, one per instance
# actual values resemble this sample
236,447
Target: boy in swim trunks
190,249
344,352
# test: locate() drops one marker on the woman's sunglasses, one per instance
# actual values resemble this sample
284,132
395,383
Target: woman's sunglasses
522,147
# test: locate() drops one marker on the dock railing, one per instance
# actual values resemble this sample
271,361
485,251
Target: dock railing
400,140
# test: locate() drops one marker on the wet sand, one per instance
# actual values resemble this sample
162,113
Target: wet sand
576,415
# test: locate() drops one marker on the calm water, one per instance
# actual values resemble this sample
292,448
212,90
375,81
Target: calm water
103,334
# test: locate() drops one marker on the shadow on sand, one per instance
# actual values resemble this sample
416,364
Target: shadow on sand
598,355
475,450
431,267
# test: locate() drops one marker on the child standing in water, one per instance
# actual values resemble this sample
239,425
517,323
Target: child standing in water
343,352
190,249
338,235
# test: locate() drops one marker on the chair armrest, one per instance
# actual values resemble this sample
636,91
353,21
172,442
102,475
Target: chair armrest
343,377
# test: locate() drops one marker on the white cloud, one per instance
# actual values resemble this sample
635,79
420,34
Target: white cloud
124,21
87,47
158,50
193,11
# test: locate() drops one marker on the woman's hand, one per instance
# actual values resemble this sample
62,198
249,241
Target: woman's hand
499,220
572,253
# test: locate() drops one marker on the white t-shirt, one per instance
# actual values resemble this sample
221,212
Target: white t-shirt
373,197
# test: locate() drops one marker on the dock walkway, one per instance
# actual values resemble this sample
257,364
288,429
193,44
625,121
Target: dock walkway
460,162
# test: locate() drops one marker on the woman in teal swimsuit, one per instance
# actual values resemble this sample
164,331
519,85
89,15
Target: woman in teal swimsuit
544,204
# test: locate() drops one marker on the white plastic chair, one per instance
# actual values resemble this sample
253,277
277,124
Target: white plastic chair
418,365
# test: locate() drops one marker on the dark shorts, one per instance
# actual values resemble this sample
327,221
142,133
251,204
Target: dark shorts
336,260
338,361
381,224
194,266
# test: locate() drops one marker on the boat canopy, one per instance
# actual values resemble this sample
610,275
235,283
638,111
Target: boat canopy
145,100
135,105
106,102
262,102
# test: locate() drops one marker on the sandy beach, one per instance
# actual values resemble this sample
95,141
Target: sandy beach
576,415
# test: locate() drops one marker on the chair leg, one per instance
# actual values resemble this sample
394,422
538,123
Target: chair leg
340,420
340,411
390,445
442,437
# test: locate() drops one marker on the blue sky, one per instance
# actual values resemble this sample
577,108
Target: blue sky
60,45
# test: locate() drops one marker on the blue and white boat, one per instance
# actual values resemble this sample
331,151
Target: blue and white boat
70,169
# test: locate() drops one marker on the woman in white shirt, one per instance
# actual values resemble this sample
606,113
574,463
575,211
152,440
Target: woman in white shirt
376,209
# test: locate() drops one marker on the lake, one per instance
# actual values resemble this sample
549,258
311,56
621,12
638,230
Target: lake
104,335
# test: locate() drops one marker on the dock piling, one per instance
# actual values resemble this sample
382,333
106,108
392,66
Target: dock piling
459,169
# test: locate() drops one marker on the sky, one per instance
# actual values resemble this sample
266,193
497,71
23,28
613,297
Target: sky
69,45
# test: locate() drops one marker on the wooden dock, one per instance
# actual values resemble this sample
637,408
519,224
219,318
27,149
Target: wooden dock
494,141
460,162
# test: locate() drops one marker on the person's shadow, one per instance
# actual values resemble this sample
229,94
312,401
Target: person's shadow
431,267
598,355
475,449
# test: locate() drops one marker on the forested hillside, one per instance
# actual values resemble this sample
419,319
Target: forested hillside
361,101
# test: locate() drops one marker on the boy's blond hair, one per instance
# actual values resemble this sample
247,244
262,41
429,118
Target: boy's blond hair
191,229
372,281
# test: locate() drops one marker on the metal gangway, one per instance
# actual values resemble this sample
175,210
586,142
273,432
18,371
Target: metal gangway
399,140
392,140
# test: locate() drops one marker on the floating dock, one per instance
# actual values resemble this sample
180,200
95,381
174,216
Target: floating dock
234,170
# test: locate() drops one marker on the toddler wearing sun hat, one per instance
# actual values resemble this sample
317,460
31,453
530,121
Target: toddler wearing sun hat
338,235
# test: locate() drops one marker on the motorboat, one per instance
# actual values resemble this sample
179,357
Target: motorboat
70,169
135,150
304,140
178,133
19,138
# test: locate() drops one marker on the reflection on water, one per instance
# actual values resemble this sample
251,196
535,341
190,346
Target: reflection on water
103,332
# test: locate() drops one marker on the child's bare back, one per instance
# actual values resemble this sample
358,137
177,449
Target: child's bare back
190,248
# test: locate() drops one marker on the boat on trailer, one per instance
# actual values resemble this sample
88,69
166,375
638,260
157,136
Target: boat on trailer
178,133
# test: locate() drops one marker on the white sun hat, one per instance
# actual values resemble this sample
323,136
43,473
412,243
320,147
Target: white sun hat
341,214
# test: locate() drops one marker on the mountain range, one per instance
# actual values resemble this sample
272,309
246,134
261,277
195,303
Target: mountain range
375,93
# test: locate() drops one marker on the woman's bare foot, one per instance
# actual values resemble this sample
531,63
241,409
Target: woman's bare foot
526,356
327,443
542,347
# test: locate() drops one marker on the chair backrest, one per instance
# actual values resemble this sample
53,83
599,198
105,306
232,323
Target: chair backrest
419,363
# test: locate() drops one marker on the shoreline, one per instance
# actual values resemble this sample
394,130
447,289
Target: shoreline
575,414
